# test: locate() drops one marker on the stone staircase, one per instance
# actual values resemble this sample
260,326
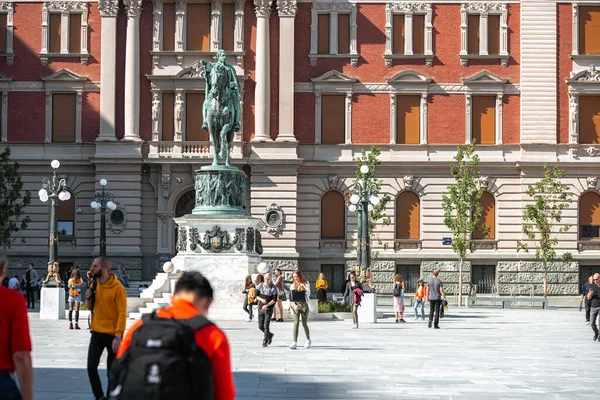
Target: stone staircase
156,296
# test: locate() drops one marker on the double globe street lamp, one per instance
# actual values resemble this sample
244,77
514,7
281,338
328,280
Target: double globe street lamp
363,200
102,201
54,189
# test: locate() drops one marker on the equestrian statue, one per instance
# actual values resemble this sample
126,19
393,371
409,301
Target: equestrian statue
221,108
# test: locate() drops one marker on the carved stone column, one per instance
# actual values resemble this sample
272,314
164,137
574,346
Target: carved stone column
261,94
108,12
132,70
287,13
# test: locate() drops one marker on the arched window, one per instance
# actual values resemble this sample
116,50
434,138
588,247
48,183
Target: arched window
488,217
66,218
333,215
408,214
589,216
185,204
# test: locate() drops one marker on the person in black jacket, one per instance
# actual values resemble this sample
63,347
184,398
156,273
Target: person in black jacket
351,286
586,288
343,288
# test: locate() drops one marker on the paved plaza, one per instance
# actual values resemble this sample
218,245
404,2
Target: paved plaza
478,354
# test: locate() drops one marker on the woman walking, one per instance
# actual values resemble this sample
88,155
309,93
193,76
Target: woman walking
280,296
250,292
75,286
398,292
420,300
321,286
351,287
299,306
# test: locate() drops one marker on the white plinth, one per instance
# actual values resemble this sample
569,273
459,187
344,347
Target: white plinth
367,312
52,303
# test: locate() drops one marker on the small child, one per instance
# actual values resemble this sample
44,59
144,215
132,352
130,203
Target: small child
140,290
420,300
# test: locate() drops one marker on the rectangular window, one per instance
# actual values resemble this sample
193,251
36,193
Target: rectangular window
168,39
473,31
419,34
228,26
198,26
590,231
66,217
589,119
3,19
589,30
398,32
494,34
408,119
344,34
484,119
74,33
168,117
333,119
323,34
193,118
55,33
63,118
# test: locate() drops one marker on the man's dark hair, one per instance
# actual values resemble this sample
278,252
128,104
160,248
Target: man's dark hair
194,281
32,264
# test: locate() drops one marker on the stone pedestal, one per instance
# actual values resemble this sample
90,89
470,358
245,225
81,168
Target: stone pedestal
52,303
367,312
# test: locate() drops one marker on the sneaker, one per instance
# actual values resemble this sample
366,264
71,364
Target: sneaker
77,326
249,320
264,344
587,323
70,325
396,321
436,327
280,320
293,346
402,320
595,337
429,324
416,318
270,338
354,326
307,344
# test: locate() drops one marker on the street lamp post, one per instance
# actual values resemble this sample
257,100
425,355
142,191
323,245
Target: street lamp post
103,200
54,189
363,200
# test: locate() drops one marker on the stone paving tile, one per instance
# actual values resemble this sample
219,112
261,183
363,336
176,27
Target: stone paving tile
478,354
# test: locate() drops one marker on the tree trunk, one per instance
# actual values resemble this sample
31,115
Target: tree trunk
545,280
460,285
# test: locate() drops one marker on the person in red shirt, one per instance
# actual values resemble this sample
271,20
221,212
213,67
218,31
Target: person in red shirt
193,296
15,343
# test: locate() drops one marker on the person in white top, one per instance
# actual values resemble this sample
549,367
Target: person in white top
300,307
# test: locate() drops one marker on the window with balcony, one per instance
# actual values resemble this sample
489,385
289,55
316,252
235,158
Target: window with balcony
586,30
333,32
484,32
589,216
64,30
409,31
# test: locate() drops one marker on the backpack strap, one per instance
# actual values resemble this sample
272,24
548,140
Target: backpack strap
194,323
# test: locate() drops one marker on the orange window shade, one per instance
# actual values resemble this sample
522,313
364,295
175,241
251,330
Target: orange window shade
193,118
589,210
63,117
488,217
408,210
333,216
407,119
228,26
168,39
398,40
168,117
419,34
323,34
333,119
484,119
473,30
589,119
66,209
3,33
54,33
493,34
198,26
74,33
344,34
589,30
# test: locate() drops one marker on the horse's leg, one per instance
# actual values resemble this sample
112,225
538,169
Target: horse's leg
224,145
214,141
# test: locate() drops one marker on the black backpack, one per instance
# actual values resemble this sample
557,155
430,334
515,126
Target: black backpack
396,290
163,362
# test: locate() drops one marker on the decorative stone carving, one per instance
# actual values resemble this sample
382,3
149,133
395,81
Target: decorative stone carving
216,240
53,277
262,8
592,151
334,7
155,110
134,8
117,219
408,181
220,189
573,117
589,75
258,242
108,8
250,239
287,8
483,181
274,219
239,239
165,179
334,181
179,110
591,182
66,6
484,7
182,240
410,7
196,71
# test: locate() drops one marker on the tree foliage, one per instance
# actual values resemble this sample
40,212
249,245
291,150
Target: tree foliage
542,218
460,201
13,200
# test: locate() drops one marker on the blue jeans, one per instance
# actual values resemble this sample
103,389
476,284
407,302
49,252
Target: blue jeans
417,303
8,389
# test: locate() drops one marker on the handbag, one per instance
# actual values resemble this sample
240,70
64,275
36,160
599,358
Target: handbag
311,306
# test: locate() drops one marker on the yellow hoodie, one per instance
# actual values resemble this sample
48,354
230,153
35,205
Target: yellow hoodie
110,308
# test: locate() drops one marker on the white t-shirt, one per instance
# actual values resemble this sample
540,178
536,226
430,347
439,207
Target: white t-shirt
13,283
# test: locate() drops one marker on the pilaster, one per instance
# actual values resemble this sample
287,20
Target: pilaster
132,71
261,96
287,13
108,12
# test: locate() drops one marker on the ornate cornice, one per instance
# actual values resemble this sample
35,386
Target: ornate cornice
484,7
334,7
409,7
108,8
287,8
7,6
589,75
66,6
262,8
133,7
432,88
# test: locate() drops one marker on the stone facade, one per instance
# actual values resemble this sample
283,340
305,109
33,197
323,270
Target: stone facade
524,278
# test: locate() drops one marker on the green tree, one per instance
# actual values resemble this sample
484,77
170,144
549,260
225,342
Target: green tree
462,210
542,218
13,201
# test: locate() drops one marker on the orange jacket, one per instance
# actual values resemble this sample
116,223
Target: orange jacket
420,292
210,338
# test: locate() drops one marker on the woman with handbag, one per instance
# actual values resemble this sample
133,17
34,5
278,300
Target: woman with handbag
352,295
75,286
398,292
300,306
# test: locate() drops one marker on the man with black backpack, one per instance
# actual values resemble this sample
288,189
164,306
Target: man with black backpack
176,352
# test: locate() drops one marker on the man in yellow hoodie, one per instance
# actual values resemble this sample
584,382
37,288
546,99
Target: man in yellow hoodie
107,301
